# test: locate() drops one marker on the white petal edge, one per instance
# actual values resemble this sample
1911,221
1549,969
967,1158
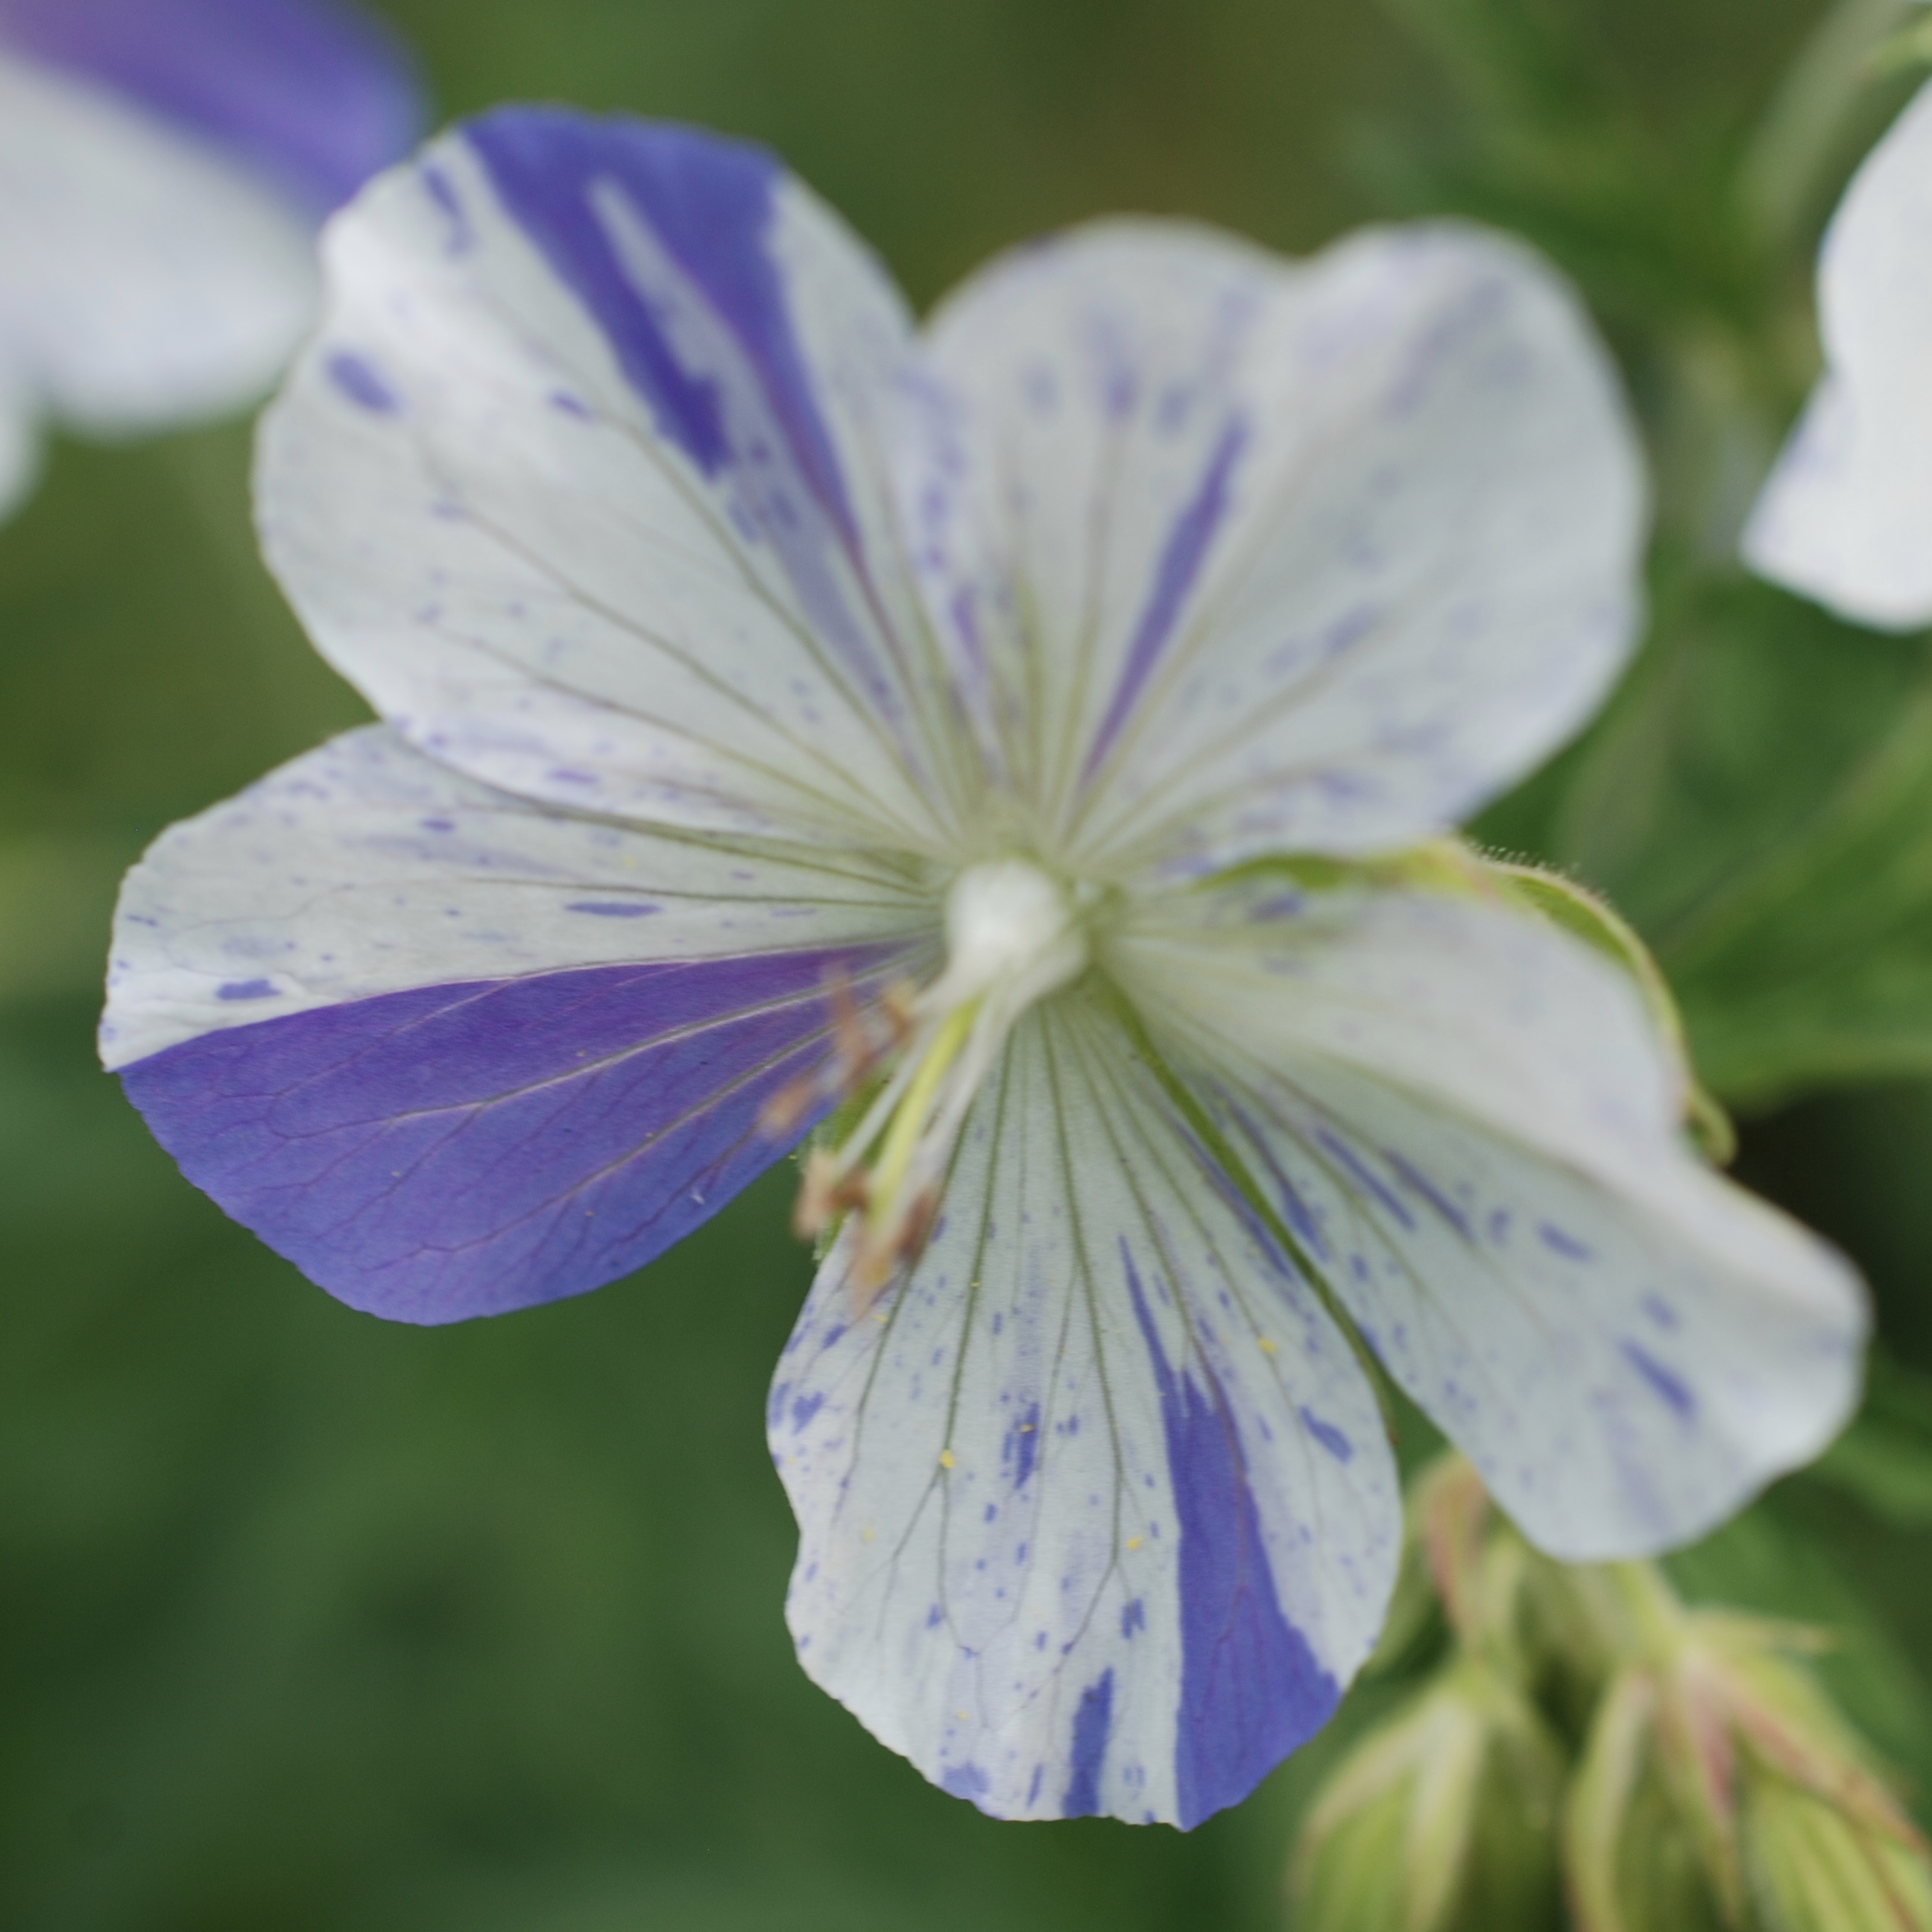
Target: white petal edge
364,868
19,445
1312,556
485,526
1466,1121
1847,516
1026,1481
145,280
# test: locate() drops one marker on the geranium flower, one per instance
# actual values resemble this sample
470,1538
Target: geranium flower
1847,516
1029,736
164,165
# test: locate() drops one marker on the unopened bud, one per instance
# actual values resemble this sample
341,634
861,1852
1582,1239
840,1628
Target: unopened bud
1718,1777
1814,1867
1441,1819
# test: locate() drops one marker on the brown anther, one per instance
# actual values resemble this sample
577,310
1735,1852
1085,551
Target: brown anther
849,1037
879,1258
824,1195
788,1106
899,1004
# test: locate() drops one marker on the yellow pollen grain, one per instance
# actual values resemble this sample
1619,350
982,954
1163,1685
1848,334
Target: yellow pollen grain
1268,1347
946,1459
868,1533
962,1717
1134,1542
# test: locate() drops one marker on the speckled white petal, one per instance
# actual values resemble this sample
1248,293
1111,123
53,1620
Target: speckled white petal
146,278
1096,1512
364,868
1246,556
580,485
1846,517
1466,1122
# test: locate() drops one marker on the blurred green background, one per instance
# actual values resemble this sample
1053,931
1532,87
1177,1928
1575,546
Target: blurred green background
306,1621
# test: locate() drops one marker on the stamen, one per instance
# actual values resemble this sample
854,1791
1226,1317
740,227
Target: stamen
1013,936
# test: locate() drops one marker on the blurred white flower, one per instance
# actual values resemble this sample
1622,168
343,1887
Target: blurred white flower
164,165
1847,516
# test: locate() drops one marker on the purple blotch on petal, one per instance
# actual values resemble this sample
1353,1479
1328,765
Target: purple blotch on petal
708,203
1252,1690
1187,547
1092,1722
458,1151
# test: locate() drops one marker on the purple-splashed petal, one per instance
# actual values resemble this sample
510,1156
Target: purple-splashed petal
710,204
1468,1123
587,482
1097,1513
1245,556
452,1054
316,94
1252,1690
453,1151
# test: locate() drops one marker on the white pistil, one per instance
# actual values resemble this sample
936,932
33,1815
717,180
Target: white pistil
1013,935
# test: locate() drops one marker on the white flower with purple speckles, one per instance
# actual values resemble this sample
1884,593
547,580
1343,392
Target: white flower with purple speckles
1847,516
163,166
787,706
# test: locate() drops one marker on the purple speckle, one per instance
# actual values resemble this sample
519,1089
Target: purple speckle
1558,1243
1133,1618
1675,1393
1330,1438
357,378
247,989
612,908
1021,1449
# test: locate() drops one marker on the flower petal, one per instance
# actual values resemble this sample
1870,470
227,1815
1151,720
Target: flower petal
1257,555
19,446
1097,1513
1466,1119
581,484
1846,517
312,95
452,1055
144,279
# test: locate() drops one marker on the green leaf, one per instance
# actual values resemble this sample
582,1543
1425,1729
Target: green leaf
1885,1459
1758,802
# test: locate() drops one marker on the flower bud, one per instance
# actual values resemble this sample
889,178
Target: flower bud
1815,1868
1719,1787
1441,1819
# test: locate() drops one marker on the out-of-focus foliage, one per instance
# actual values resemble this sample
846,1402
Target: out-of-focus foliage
312,1623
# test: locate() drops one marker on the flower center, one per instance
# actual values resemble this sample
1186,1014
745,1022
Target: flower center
1013,935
